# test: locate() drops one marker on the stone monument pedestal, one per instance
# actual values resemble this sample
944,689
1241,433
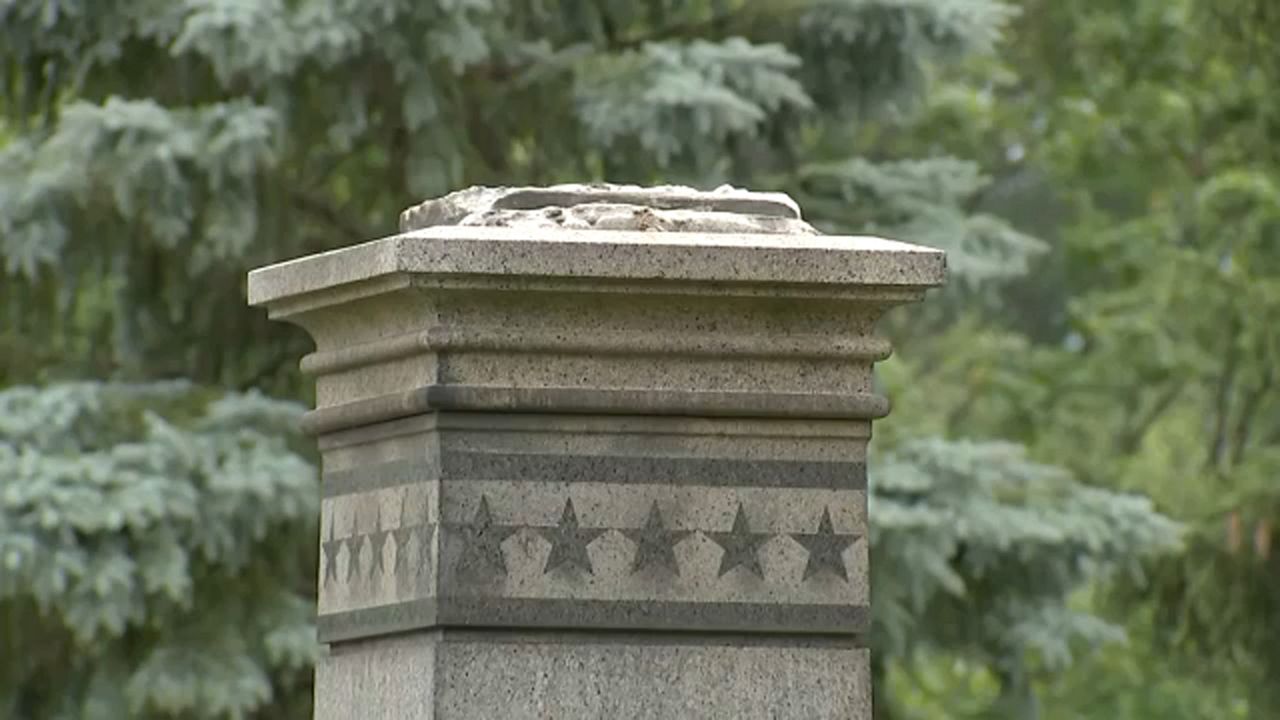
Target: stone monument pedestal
595,452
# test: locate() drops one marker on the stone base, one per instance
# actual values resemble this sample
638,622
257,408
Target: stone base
512,675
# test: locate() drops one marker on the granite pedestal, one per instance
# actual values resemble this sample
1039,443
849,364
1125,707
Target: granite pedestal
595,453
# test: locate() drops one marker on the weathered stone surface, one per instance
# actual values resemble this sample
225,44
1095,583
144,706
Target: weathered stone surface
612,207
576,468
526,676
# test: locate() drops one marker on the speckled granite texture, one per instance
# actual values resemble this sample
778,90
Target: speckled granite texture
499,675
582,462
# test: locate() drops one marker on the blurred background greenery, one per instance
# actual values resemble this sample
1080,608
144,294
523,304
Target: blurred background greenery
1074,499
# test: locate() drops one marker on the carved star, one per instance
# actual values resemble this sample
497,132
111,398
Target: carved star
401,538
331,548
482,542
425,532
378,540
826,548
741,546
569,542
403,535
355,544
655,544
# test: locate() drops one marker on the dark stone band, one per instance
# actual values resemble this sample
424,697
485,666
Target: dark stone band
621,469
591,614
525,636
376,477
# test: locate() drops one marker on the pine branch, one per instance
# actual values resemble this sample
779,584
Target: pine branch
1248,413
757,13
1132,437
282,354
323,211
1222,398
700,28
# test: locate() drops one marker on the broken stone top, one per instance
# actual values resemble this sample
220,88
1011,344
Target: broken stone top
601,206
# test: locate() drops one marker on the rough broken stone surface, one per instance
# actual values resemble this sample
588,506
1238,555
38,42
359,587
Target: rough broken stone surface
668,208
577,474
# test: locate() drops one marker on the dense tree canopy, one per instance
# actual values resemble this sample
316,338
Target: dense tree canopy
1099,174
1134,136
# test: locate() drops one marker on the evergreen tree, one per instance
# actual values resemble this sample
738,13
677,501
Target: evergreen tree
149,540
1147,125
155,151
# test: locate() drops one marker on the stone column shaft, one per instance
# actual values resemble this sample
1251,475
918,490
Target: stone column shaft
586,473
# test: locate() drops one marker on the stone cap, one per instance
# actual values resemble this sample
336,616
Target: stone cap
467,252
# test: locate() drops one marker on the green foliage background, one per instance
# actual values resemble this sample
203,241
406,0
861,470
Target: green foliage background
1072,503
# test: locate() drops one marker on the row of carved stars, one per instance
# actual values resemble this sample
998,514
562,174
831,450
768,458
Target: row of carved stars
482,540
